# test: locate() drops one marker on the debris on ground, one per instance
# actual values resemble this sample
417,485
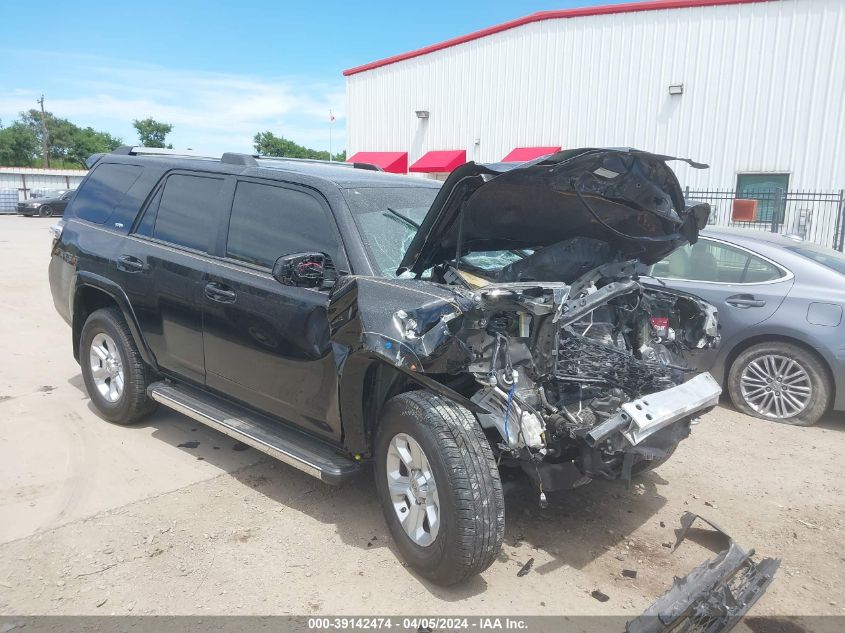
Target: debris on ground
713,596
598,595
629,573
526,568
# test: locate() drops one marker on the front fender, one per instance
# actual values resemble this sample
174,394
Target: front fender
366,382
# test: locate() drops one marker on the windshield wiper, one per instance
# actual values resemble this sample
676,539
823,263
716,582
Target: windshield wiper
404,218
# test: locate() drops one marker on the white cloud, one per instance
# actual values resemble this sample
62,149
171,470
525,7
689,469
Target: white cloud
212,112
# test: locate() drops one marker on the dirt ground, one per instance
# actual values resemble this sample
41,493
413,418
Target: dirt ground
169,517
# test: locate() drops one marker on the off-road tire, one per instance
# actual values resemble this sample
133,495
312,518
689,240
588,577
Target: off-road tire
133,403
822,389
472,506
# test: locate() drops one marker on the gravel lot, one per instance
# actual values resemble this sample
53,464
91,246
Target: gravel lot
169,517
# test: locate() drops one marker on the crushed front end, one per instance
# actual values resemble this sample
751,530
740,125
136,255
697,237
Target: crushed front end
584,380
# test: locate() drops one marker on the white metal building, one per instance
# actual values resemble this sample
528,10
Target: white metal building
21,183
755,88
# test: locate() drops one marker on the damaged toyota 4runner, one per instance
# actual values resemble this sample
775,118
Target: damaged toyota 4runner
335,316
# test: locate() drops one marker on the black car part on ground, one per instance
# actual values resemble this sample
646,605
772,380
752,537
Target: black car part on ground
714,596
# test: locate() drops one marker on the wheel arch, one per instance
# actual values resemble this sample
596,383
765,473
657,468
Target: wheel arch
92,293
366,384
743,345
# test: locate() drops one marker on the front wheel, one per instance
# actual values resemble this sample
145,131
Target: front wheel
45,211
439,487
781,382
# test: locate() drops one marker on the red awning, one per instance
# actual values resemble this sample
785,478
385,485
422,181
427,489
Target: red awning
522,154
440,161
394,162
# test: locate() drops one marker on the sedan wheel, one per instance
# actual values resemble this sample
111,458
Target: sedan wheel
781,382
45,210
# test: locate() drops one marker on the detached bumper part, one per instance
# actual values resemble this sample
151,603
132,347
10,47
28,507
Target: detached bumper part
714,596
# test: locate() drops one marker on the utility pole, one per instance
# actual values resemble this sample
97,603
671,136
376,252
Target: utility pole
45,139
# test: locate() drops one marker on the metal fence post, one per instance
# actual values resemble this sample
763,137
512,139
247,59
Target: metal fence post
839,231
779,206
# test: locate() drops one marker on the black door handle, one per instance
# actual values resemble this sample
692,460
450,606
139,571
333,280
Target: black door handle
130,264
219,293
745,301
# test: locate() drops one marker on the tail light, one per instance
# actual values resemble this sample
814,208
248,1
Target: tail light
56,230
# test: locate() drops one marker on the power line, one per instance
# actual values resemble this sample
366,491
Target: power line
45,138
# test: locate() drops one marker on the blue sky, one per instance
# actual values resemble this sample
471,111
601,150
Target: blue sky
218,71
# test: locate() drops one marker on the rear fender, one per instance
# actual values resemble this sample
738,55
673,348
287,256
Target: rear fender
113,291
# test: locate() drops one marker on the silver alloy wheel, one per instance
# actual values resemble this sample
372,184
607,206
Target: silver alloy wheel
106,367
413,490
775,386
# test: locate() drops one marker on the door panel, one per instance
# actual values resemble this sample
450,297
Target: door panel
163,263
268,345
163,292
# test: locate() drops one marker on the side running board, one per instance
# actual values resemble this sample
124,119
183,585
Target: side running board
293,447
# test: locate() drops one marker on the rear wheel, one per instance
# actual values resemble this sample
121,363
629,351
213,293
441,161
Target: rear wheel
114,373
781,382
439,487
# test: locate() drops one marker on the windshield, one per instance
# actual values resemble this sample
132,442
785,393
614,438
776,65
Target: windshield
825,256
388,219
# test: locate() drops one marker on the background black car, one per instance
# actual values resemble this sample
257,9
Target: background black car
45,207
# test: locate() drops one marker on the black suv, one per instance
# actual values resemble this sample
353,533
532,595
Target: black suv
333,315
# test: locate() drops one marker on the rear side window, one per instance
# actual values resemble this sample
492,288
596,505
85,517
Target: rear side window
185,211
268,222
715,262
103,190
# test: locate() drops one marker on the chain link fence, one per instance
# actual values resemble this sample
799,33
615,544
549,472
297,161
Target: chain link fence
814,216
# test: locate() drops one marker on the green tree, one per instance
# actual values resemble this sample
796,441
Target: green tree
60,133
87,141
19,147
69,144
152,133
268,144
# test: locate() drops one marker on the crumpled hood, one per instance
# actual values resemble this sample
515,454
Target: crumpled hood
628,198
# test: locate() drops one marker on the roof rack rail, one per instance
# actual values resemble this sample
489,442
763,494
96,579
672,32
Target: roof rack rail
140,150
319,161
234,158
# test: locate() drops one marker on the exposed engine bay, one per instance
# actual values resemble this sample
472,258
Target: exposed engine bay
556,362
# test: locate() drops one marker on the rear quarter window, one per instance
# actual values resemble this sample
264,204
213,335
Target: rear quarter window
103,190
184,213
